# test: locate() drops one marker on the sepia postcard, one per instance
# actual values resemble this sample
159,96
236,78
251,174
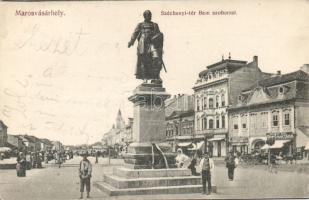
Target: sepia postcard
154,99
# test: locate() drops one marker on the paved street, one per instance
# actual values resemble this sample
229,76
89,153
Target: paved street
54,183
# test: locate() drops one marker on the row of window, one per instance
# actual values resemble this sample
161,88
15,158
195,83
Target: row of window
186,129
202,123
210,103
263,120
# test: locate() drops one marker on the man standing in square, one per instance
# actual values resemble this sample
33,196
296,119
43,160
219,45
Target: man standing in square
85,170
207,166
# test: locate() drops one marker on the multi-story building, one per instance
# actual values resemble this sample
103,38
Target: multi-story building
276,107
57,146
180,128
217,87
179,117
3,134
180,102
117,134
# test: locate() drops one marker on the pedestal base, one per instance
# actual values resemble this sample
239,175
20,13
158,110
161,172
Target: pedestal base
148,156
126,181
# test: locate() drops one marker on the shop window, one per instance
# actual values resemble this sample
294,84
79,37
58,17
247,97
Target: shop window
275,119
211,124
287,119
211,103
223,121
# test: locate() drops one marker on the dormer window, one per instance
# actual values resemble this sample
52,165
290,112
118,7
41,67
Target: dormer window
281,90
240,98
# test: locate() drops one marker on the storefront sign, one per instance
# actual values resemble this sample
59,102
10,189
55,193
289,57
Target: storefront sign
281,136
239,139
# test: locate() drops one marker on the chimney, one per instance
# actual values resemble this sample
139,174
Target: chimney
255,59
279,72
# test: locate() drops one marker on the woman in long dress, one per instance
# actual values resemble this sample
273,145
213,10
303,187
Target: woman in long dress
181,158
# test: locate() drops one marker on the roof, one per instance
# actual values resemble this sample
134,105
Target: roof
30,138
297,75
46,141
264,93
178,114
2,124
231,66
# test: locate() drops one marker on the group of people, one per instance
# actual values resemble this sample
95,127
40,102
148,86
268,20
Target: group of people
27,161
204,167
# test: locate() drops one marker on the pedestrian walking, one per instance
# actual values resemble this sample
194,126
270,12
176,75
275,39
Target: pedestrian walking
28,160
272,163
21,165
207,166
231,165
85,170
192,165
97,157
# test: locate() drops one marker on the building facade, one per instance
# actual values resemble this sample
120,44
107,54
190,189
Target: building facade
120,134
3,134
180,128
276,107
15,142
180,102
216,88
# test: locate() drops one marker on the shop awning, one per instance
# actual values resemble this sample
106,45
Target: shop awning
266,146
184,144
279,144
216,139
197,146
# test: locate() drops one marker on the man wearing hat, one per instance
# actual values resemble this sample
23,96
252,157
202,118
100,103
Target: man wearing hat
85,170
207,166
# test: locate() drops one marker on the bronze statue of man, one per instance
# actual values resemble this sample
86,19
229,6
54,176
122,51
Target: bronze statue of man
149,49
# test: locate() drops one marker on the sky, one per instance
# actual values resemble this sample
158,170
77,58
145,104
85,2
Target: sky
64,78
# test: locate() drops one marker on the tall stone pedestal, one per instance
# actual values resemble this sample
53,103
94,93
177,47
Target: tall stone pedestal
149,163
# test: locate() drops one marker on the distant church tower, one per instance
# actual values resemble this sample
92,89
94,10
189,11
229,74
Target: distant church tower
119,121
